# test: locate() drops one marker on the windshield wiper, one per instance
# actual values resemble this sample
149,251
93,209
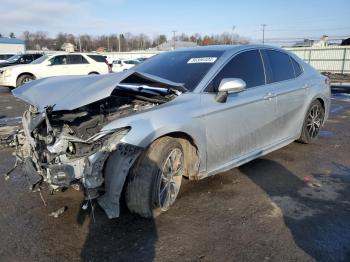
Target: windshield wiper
145,88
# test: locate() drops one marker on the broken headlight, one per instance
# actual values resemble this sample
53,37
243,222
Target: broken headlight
78,147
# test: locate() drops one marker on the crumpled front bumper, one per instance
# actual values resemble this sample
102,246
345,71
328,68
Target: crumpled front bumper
63,170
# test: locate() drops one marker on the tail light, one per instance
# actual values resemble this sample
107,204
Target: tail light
327,81
109,67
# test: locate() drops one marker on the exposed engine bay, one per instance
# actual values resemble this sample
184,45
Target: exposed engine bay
69,147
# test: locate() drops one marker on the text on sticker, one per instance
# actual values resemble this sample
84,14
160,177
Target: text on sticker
199,60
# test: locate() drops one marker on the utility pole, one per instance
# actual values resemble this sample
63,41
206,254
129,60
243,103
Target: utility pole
233,29
108,44
263,33
174,32
79,44
119,44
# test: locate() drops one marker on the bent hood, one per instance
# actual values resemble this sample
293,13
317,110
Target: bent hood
68,92
71,92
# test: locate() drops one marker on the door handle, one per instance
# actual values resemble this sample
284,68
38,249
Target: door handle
269,96
306,86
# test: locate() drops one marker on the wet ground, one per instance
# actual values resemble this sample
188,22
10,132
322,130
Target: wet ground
292,205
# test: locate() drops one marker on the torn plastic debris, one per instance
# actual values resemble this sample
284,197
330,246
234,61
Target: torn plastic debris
312,182
58,212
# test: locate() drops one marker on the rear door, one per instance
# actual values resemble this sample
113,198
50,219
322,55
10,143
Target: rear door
36,56
245,123
78,65
284,72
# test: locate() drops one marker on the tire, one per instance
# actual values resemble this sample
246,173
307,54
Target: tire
93,73
312,123
23,79
149,190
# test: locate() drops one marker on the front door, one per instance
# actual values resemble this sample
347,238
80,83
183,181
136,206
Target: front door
58,66
246,122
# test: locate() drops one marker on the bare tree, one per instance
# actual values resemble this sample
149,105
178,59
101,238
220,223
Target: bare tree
125,41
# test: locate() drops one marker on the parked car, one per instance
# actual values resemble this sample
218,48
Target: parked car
54,65
123,65
20,59
141,59
4,57
187,113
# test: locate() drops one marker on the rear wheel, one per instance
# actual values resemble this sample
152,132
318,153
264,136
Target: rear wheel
155,179
23,79
312,123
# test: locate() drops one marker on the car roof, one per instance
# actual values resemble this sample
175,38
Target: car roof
227,48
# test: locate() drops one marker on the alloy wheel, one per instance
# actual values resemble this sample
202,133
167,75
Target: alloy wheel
171,176
314,121
26,80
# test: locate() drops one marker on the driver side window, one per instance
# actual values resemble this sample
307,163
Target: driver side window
246,66
59,60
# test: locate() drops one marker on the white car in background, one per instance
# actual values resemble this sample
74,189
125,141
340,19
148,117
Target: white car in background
54,65
5,56
122,65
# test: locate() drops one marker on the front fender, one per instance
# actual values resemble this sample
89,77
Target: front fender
179,115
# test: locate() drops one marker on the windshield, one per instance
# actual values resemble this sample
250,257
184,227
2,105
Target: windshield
40,59
185,67
14,58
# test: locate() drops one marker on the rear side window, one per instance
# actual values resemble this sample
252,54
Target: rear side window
98,58
59,60
26,59
278,66
77,59
36,56
247,66
297,68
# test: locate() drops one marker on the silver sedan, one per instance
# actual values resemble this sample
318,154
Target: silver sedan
188,113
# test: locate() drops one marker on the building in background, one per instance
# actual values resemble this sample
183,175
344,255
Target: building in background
304,43
68,47
169,45
322,43
11,45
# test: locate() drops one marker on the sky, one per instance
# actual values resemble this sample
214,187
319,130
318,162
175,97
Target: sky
284,19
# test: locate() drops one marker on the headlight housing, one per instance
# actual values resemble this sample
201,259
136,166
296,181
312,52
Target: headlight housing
7,72
77,146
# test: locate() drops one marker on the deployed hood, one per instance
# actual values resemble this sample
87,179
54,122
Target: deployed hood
68,92
72,92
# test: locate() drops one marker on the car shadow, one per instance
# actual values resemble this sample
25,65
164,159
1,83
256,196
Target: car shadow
127,238
317,216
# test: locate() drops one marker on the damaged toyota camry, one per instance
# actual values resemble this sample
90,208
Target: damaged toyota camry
189,113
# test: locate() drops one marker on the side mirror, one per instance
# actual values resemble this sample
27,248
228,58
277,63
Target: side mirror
47,63
229,86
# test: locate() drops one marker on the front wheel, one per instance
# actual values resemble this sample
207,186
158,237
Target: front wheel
23,79
312,123
155,179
